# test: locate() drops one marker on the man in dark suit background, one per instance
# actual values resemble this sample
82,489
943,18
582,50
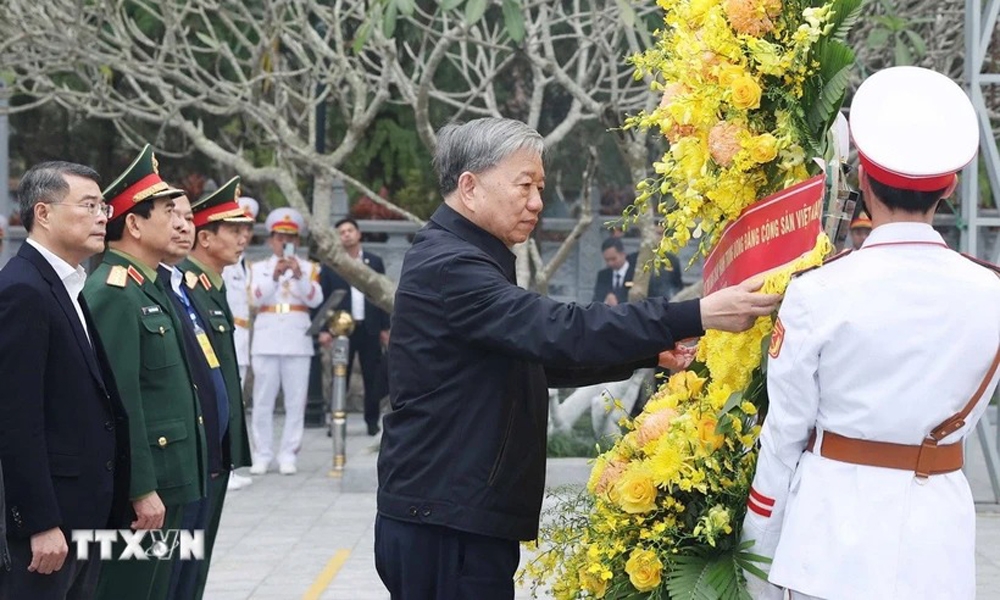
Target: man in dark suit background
63,430
614,281
371,330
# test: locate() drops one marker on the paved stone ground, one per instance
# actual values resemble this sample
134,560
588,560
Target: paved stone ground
310,536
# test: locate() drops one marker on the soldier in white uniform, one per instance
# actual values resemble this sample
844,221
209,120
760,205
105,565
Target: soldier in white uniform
881,363
237,278
282,290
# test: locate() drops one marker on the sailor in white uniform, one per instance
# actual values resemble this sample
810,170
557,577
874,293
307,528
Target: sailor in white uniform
237,278
881,363
282,290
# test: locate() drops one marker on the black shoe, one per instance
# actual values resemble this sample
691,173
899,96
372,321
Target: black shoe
373,429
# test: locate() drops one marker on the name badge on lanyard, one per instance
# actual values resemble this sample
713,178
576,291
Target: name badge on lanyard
199,333
206,347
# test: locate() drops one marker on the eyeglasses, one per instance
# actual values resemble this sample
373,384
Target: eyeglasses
93,208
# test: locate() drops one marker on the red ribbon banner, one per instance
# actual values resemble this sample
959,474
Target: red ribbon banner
770,233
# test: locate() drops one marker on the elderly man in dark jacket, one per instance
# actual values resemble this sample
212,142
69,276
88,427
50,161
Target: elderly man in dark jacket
462,463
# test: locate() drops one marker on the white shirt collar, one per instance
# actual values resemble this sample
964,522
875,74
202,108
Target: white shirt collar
622,271
902,233
176,277
62,268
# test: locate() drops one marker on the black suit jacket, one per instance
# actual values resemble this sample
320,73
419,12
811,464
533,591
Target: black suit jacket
605,279
376,319
63,430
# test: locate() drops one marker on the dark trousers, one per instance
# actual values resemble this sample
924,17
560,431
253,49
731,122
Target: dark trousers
428,562
197,515
368,349
76,580
217,495
149,579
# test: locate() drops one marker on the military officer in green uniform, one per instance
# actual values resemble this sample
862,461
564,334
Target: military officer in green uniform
142,334
219,221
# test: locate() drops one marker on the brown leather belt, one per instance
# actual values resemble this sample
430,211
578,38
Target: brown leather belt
924,460
283,308
244,323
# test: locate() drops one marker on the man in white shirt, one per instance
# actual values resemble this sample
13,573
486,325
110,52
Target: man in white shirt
63,430
371,325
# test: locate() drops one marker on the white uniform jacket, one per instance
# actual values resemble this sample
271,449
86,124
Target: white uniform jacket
883,344
283,332
237,278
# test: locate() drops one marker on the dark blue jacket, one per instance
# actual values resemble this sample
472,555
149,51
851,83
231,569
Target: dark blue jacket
470,360
64,437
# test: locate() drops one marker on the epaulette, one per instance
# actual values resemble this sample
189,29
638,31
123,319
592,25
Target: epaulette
315,268
190,279
826,261
117,276
983,263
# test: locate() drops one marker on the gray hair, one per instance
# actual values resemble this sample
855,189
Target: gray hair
479,145
46,182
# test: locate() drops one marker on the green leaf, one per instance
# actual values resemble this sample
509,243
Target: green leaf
405,7
209,42
877,38
449,4
627,13
732,402
836,60
514,20
705,577
364,32
902,53
917,42
845,14
389,22
474,10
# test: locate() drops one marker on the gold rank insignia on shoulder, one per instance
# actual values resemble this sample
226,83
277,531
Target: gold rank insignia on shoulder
205,281
190,279
118,276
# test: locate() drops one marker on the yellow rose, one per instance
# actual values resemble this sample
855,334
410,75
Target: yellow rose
593,582
729,73
763,148
745,93
706,431
635,491
644,569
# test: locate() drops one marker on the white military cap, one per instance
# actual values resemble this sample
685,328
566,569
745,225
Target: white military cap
914,128
285,220
250,206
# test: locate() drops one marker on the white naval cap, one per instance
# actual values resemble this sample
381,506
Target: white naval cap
250,206
285,220
914,128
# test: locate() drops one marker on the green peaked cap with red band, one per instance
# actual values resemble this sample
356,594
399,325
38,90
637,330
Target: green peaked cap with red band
220,205
140,182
